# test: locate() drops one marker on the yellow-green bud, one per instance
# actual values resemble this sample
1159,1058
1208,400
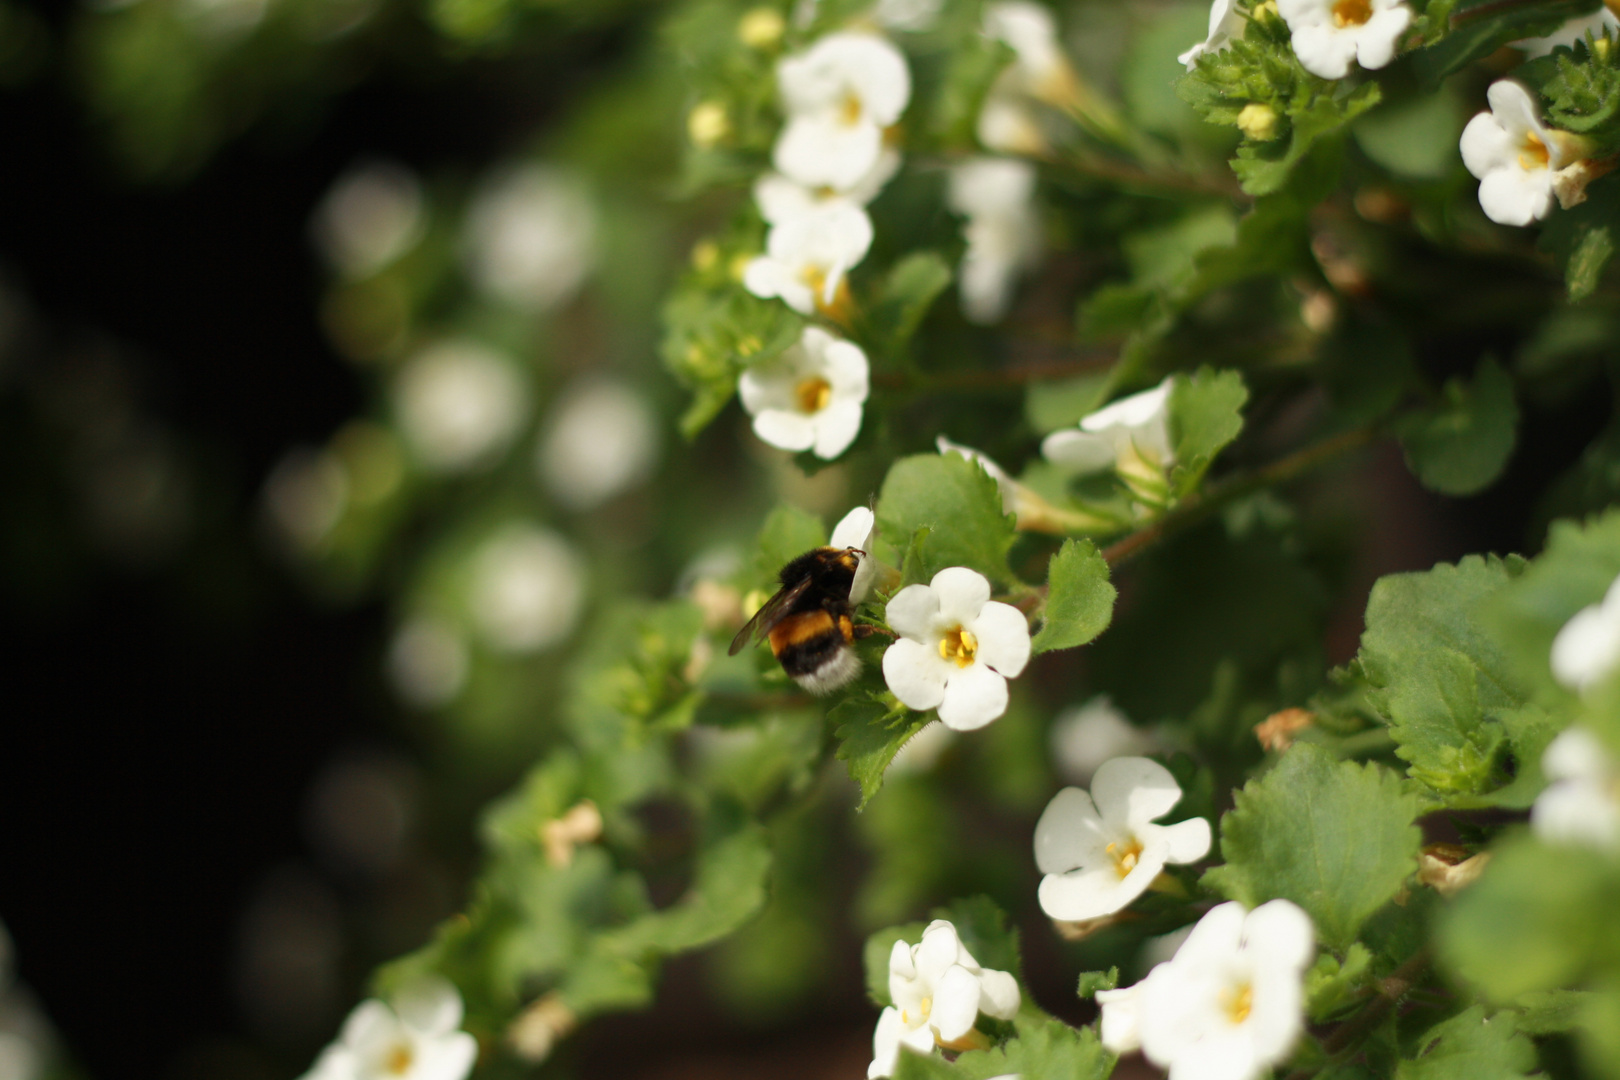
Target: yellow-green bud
707,124
761,28
1258,121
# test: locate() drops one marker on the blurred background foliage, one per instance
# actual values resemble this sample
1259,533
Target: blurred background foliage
345,478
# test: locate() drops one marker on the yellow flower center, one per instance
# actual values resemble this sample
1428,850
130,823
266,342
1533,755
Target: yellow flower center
813,394
959,646
1351,13
399,1060
1126,855
1533,154
923,1009
849,111
1238,1002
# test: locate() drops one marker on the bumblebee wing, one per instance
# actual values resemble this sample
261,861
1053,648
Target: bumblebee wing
769,614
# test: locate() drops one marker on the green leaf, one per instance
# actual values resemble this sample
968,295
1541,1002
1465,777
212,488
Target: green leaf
1265,167
1592,252
788,532
1480,27
1536,920
1333,985
1416,138
1165,255
908,292
1079,598
1049,406
1440,678
713,331
728,889
869,734
1548,1012
1334,837
1462,445
1206,414
1470,1046
1582,238
1093,981
1043,1047
983,928
961,506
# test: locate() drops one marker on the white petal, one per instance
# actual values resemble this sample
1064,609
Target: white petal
370,1023
1587,646
1575,754
1577,812
1070,834
847,369
1180,1007
1003,635
1137,410
430,1005
1375,44
769,278
1515,196
900,962
1185,841
1280,935
1079,450
785,430
836,427
913,612
974,696
956,1003
915,673
1277,1013
1486,146
962,594
1215,939
1223,1053
818,150
779,198
1120,1026
1515,110
885,1044
854,530
1087,894
937,953
446,1057
1134,791
1324,50
999,996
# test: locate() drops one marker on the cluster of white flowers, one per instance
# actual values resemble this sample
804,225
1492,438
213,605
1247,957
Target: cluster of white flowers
842,97
419,1037
1229,1005
1040,72
938,991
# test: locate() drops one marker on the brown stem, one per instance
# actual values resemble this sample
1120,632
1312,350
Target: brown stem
988,380
1126,175
1196,508
1388,993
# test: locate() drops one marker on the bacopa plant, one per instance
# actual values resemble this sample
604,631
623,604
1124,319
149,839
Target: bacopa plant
1097,310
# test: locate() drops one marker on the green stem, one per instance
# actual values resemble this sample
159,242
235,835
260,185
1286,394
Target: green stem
1197,508
990,380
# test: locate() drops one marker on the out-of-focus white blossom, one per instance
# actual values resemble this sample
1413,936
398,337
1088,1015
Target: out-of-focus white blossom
1132,429
1040,67
1101,850
527,589
781,199
1581,804
811,397
1002,231
1225,23
427,662
840,95
306,495
956,650
418,1038
1229,1006
1330,35
1572,31
1587,647
225,19
807,256
603,441
1084,737
919,753
372,215
459,405
1008,125
531,236
938,990
906,15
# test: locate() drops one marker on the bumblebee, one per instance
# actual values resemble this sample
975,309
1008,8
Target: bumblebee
808,622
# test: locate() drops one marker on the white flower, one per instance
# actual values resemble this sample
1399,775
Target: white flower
957,648
857,530
527,589
306,495
1008,125
427,662
1581,805
1085,737
1572,31
938,991
810,397
912,15
1587,648
1328,35
419,1038
1229,1006
372,216
1100,855
1225,23
1132,428
531,236
806,257
839,97
1040,68
1515,157
1002,231
603,441
459,405
781,199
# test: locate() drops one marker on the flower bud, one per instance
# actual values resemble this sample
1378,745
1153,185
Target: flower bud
707,124
1258,121
761,28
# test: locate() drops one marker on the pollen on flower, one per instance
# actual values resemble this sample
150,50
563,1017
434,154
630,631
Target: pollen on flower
959,646
1238,1002
850,111
1351,13
1126,854
399,1060
1533,153
813,394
